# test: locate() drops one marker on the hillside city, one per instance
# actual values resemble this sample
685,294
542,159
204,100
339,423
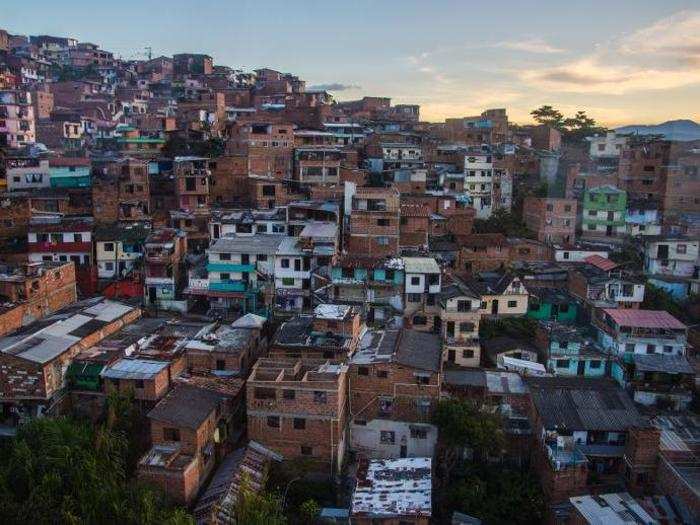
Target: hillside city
227,297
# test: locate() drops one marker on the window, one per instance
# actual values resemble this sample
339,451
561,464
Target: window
288,394
668,349
415,281
77,237
563,308
284,263
566,255
567,208
225,276
562,363
422,379
320,397
651,349
287,281
383,241
224,256
261,257
420,320
467,354
387,437
414,298
362,371
109,246
264,393
299,423
109,266
629,347
382,222
466,327
221,364
419,433
171,434
682,248
307,450
463,306
550,207
512,304
139,383
273,421
594,364
382,374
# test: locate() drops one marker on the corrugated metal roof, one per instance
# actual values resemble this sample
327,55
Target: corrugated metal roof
644,318
134,369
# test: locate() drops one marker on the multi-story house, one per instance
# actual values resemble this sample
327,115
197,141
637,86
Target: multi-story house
460,313
422,287
374,284
121,191
59,239
569,351
482,252
634,331
501,294
644,165
240,272
606,146
671,257
345,133
584,426
192,176
298,408
69,172
479,181
27,173
603,213
248,222
394,387
298,259
552,219
118,249
552,304
600,283
34,360
34,290
317,165
165,276
400,155
373,222
331,332
17,127
642,218
187,444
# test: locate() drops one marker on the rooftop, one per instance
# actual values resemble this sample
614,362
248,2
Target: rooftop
133,369
578,404
394,488
412,348
186,406
611,509
247,244
644,318
601,262
420,265
332,311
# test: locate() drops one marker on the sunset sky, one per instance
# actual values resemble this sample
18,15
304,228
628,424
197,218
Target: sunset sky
623,61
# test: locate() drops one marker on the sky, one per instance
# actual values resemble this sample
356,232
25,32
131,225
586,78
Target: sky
622,61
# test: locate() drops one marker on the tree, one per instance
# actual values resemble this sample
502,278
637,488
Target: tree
64,471
496,495
505,222
258,508
549,116
515,327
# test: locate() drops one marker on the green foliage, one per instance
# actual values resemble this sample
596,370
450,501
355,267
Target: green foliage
658,299
465,424
515,327
179,146
309,511
496,495
258,508
63,471
505,222
573,129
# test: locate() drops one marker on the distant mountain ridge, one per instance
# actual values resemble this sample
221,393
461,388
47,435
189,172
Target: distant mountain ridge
682,130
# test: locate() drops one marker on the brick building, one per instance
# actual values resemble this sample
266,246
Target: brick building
553,220
374,221
32,291
395,379
298,408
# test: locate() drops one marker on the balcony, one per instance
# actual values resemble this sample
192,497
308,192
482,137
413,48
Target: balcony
564,458
230,267
159,257
228,286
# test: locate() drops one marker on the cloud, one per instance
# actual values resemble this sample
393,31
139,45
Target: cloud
661,56
334,86
530,45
